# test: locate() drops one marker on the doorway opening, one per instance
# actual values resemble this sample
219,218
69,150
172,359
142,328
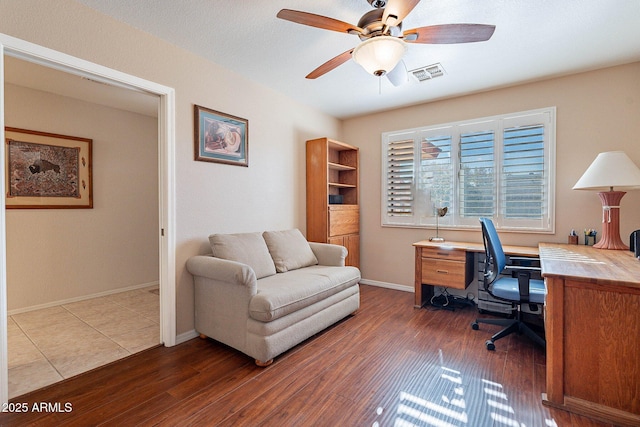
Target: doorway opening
12,47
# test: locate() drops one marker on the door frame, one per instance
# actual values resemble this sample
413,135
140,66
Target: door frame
27,51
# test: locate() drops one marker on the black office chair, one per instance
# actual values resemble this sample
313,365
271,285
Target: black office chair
517,289
634,243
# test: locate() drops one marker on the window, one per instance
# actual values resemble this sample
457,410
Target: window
499,167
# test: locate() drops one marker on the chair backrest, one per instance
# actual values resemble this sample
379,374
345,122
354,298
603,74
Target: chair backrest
632,240
495,260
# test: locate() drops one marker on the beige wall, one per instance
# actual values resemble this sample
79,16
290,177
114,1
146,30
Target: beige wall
269,194
596,111
59,254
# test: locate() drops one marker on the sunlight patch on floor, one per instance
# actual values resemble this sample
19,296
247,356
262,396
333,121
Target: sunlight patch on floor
452,408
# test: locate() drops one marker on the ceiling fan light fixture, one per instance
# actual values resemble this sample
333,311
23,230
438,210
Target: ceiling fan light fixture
380,54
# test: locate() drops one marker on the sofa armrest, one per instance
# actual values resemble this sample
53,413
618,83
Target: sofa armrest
327,254
222,292
222,270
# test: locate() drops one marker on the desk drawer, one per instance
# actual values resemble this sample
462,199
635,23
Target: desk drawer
438,272
447,254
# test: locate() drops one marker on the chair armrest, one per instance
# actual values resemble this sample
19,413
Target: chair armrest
521,267
222,270
328,254
523,273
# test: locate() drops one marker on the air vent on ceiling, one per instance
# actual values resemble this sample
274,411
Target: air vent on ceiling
427,73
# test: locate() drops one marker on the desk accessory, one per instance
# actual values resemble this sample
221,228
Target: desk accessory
610,169
440,212
590,237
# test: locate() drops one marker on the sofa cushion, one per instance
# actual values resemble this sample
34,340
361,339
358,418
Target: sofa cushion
288,292
247,248
289,250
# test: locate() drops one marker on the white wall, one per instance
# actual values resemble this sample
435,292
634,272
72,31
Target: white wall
596,111
269,194
59,254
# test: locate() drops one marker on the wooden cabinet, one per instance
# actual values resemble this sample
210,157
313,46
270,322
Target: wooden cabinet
439,265
333,210
352,243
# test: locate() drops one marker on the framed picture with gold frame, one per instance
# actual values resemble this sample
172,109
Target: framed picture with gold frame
47,170
220,137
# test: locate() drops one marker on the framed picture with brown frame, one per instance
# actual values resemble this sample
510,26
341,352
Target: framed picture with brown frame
47,170
220,137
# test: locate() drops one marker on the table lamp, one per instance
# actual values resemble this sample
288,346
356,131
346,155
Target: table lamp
609,170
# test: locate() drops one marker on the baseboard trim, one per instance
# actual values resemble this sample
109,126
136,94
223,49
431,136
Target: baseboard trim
186,336
387,285
82,298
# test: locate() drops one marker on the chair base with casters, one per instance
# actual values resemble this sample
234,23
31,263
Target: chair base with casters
516,325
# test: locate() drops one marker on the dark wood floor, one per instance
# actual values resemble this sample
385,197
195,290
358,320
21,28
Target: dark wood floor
389,365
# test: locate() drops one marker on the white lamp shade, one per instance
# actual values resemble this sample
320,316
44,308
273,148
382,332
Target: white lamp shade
613,169
380,54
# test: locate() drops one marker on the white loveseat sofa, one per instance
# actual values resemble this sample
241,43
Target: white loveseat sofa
263,293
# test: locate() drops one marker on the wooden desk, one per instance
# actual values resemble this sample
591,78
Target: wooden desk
450,264
592,328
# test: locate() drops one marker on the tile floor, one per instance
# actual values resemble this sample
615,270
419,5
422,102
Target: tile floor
49,345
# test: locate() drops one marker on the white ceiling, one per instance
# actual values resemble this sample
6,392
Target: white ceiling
534,39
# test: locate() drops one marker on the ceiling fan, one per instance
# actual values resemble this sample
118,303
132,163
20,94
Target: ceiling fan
383,43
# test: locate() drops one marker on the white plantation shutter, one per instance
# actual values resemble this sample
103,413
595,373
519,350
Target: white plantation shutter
500,167
477,189
400,179
435,174
526,174
522,189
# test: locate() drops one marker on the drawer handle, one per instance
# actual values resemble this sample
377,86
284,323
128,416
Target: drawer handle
442,271
443,253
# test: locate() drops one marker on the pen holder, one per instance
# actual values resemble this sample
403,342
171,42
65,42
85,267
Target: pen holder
589,239
573,240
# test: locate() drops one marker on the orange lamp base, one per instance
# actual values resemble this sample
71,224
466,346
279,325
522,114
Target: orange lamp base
611,221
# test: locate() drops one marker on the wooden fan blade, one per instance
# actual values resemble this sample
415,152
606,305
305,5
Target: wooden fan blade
396,10
330,65
450,34
318,21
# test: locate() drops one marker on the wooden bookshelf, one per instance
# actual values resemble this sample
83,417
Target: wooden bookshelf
332,173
